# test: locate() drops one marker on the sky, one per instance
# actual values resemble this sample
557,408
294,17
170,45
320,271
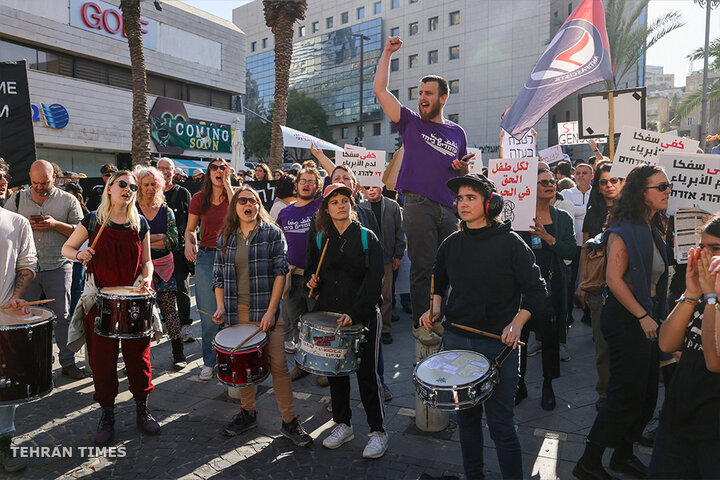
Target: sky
670,52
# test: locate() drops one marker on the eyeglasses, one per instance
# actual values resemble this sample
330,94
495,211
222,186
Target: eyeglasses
612,180
215,166
303,181
5,176
123,184
246,200
662,187
547,183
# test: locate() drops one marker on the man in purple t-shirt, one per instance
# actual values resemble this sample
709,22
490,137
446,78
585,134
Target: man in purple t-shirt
435,151
295,221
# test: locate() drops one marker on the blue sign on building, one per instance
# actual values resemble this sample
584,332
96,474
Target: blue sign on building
54,116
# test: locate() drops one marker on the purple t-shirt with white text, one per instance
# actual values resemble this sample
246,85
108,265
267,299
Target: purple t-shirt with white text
295,222
430,149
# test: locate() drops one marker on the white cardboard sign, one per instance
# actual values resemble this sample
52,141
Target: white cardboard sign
516,180
475,165
641,147
695,178
367,165
568,134
513,148
552,154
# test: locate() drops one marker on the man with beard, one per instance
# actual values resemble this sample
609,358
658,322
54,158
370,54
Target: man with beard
4,180
295,220
53,215
178,199
435,152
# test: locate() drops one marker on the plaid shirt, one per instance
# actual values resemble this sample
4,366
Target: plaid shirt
267,259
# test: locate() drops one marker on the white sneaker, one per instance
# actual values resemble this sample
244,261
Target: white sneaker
206,373
186,334
376,446
340,434
564,352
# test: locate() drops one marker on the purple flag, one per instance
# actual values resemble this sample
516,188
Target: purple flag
578,56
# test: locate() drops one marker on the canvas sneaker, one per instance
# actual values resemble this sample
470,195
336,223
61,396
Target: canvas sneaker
340,434
186,334
206,373
296,433
242,422
376,446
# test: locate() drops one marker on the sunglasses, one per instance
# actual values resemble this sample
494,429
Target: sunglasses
123,184
612,180
5,176
662,187
215,166
547,183
246,200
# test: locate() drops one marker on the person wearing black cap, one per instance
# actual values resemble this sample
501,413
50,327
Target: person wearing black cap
490,281
93,199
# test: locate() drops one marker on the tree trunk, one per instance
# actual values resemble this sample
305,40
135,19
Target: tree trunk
140,120
283,55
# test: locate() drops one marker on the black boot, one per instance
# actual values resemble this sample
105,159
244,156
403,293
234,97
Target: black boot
7,460
589,467
548,396
106,427
179,360
144,419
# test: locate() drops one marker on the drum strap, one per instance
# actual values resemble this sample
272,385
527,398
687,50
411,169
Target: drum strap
364,238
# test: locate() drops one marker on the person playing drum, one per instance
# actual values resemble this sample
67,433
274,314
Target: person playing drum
490,281
350,283
120,256
18,259
248,278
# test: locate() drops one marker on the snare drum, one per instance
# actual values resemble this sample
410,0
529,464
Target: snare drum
25,355
124,312
247,365
322,351
454,379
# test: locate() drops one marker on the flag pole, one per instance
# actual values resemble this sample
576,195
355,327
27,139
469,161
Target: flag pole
611,124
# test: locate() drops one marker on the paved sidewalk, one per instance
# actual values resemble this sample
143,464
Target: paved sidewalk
192,414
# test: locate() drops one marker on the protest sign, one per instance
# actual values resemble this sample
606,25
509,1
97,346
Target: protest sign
17,141
641,147
551,154
367,165
568,135
475,165
594,111
514,148
298,139
265,190
516,181
695,178
687,231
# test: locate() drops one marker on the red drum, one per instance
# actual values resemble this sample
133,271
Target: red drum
124,312
25,355
246,366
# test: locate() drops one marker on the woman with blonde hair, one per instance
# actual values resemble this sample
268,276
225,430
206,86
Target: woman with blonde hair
120,257
163,239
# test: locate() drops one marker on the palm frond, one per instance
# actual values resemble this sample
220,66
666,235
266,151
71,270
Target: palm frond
693,99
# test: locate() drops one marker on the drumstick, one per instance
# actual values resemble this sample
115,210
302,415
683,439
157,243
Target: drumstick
97,237
27,304
432,294
317,272
207,314
475,330
246,340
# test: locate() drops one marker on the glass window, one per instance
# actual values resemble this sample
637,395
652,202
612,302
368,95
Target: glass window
315,27
53,63
455,18
361,13
253,46
432,57
394,64
454,52
156,85
201,95
412,29
344,18
412,61
377,8
120,77
301,31
395,4
12,52
454,86
91,71
329,22
264,43
412,93
396,93
174,89
454,117
377,129
395,32
344,132
221,100
432,24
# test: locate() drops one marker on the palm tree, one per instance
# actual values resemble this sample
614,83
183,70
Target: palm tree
280,16
693,99
628,40
140,121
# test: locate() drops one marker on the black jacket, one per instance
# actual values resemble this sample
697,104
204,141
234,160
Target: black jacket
485,276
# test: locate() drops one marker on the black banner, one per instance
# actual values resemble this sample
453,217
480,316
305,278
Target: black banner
17,141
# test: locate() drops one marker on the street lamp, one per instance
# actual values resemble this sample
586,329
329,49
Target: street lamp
361,132
703,111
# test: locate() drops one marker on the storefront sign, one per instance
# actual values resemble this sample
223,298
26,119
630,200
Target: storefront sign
105,19
168,132
17,142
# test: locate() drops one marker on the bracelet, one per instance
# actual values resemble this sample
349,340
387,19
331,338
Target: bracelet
683,298
709,295
76,255
640,318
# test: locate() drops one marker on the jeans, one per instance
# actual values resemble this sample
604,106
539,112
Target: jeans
427,224
675,457
499,410
56,284
205,298
293,306
7,420
181,274
78,280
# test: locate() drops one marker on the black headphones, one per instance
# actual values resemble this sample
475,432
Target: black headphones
493,204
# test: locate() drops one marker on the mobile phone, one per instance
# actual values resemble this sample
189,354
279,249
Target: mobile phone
37,218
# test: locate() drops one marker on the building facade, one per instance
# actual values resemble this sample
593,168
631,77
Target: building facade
79,65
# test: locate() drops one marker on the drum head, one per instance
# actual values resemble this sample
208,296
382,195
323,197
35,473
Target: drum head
15,318
230,337
123,292
327,321
452,368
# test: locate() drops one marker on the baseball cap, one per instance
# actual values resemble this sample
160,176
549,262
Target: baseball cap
108,169
333,187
